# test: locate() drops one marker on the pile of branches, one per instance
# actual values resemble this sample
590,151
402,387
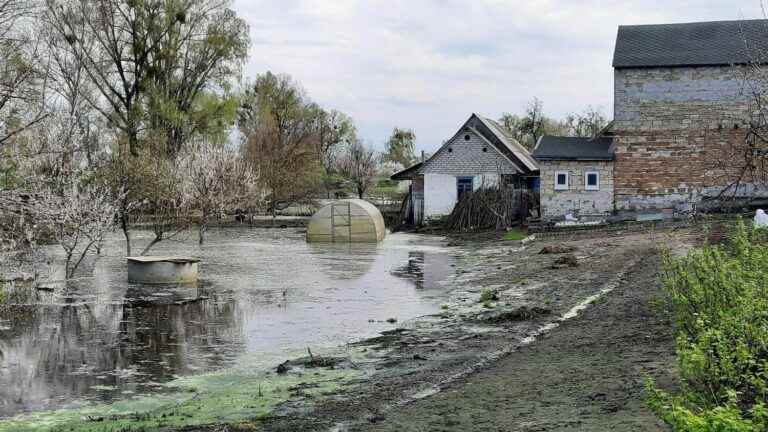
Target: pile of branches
486,208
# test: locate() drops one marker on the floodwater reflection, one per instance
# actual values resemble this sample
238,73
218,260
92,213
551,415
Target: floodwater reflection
264,294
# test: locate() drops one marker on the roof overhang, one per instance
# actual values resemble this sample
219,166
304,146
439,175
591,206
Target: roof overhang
408,173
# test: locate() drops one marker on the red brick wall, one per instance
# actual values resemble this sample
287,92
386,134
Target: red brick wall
678,134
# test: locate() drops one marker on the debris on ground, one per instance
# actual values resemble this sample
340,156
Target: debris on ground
557,249
522,313
564,261
313,361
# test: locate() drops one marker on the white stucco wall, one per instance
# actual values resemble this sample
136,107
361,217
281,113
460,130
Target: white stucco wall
440,192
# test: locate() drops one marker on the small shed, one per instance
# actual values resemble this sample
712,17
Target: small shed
347,221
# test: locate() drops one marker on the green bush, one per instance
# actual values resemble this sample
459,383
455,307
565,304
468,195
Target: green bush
719,299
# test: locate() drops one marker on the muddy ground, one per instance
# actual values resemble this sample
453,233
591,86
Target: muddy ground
564,343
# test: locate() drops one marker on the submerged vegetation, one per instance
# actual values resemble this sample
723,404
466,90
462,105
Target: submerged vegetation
719,299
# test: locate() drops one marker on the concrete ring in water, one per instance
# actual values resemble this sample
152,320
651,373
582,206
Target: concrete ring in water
162,269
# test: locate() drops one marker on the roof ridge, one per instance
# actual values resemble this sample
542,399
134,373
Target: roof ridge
751,20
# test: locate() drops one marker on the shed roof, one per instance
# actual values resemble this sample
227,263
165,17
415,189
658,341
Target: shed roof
573,148
408,173
715,43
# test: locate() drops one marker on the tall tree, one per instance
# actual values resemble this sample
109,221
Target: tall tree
279,127
401,147
534,121
150,60
21,76
335,130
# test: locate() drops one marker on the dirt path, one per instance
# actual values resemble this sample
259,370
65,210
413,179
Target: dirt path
585,375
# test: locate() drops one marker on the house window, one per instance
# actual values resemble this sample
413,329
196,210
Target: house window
592,180
463,186
561,180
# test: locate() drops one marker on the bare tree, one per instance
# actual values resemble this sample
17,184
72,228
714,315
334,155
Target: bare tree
360,165
217,179
22,72
62,197
533,124
165,206
585,124
736,142
335,130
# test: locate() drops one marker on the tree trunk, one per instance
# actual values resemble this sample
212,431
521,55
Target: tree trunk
201,228
126,232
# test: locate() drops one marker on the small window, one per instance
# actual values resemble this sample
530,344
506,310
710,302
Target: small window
467,137
561,180
592,180
485,149
450,150
464,185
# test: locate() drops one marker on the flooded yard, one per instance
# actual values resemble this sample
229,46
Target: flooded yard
264,296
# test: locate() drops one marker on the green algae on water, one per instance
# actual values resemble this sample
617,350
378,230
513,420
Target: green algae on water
216,398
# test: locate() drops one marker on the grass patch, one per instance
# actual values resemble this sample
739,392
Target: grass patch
514,235
488,295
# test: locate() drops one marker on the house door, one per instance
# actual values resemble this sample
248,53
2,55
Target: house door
463,186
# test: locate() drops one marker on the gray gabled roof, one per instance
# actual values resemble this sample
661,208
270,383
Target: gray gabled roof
714,43
510,143
573,148
492,132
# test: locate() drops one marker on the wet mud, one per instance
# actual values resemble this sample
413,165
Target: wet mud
562,348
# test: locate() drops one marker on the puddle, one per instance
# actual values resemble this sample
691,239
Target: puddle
263,294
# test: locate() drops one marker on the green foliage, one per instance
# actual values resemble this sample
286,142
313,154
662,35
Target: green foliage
401,147
719,299
280,126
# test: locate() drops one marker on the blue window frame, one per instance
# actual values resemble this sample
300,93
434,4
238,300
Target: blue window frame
463,185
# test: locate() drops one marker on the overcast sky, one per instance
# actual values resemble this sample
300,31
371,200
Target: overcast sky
428,64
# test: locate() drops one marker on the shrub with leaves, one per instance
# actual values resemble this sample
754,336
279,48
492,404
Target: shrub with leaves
719,299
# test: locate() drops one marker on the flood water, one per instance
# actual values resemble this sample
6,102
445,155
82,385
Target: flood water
263,295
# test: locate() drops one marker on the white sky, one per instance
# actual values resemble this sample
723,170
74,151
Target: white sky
428,64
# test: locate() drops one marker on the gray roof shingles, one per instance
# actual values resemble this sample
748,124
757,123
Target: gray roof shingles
573,148
716,43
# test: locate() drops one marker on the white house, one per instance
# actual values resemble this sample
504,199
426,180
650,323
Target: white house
481,153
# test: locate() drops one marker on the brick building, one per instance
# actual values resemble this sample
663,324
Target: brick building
681,106
576,176
681,103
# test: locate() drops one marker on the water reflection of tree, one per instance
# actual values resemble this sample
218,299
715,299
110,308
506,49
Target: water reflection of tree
60,352
426,270
413,269
344,261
